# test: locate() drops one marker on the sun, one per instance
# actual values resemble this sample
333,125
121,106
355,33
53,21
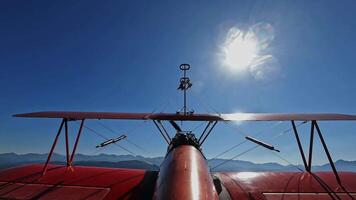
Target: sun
239,50
245,53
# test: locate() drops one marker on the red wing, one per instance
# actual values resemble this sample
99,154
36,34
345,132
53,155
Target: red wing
287,185
61,182
118,115
286,117
85,115
190,117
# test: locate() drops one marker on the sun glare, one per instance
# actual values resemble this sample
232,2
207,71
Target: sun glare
240,50
248,51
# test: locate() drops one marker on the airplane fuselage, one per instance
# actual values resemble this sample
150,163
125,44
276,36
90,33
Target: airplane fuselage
184,174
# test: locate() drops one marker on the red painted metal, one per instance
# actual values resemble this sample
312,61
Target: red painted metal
184,174
113,115
288,185
67,141
285,117
33,191
311,143
76,142
190,117
82,183
52,148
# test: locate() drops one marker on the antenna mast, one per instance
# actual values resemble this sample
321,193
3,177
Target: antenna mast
184,85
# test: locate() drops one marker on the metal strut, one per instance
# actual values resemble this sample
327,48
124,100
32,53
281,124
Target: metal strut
314,125
52,148
207,131
311,146
327,152
76,142
206,127
70,157
299,145
67,141
162,130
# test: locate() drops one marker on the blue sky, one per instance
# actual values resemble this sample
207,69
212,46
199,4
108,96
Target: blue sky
124,56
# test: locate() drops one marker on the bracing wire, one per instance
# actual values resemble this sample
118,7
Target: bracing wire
112,131
285,160
229,149
96,151
161,107
198,126
206,106
238,155
244,141
239,130
254,147
126,139
95,132
136,145
105,138
106,127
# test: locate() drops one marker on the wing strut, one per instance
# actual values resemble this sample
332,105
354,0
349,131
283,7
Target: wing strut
207,131
307,165
327,152
52,148
299,145
69,157
76,141
162,130
175,125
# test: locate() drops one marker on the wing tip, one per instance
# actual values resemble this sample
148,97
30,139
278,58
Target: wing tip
20,115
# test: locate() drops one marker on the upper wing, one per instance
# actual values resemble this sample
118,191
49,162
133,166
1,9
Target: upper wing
285,185
190,117
84,115
61,182
286,117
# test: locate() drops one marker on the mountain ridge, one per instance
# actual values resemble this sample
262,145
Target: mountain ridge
153,163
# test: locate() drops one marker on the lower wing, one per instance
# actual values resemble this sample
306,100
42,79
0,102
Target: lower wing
285,185
61,182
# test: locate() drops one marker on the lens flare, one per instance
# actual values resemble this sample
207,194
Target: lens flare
239,50
248,51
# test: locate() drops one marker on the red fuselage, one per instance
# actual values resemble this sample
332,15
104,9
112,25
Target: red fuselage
184,174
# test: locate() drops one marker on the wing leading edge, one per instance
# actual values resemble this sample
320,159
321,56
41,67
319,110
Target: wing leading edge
190,117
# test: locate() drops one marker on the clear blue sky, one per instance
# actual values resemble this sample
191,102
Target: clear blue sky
124,56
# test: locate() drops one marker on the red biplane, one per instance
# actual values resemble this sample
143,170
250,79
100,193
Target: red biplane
184,173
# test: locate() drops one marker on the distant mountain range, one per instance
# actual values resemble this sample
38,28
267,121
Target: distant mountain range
102,160
138,162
